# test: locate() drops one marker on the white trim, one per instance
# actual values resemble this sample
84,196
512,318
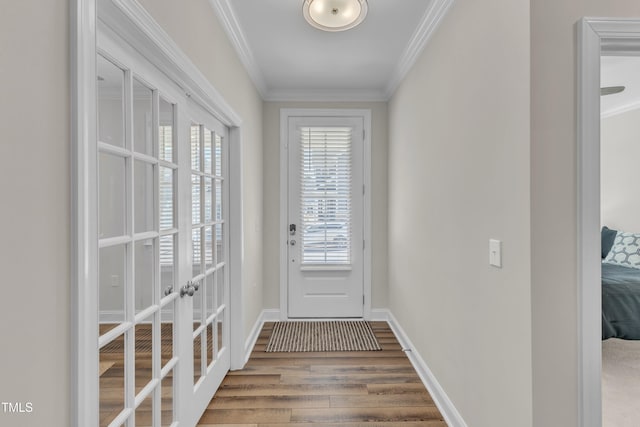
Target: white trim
236,247
286,95
449,412
619,110
285,114
131,21
428,25
231,26
84,239
594,35
267,315
380,315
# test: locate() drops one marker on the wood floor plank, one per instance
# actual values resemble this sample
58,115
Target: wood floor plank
381,401
342,415
292,389
244,416
351,379
252,379
364,369
236,402
409,388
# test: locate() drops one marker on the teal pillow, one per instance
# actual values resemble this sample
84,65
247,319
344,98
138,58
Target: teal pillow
608,236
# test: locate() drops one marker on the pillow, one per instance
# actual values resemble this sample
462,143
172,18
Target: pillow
608,236
625,250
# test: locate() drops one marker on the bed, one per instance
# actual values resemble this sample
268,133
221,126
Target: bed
620,302
620,285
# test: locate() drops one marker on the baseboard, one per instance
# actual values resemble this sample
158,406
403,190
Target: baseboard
442,401
380,314
270,315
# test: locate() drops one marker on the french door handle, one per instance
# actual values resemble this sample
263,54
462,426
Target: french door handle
189,289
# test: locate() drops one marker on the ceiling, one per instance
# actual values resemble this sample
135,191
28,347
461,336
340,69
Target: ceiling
288,59
620,71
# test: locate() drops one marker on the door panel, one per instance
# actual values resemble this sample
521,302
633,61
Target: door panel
325,217
208,190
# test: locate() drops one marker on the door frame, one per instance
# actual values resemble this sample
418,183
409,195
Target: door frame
285,114
136,26
595,35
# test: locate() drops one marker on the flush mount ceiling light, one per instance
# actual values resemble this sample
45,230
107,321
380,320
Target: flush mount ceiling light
334,15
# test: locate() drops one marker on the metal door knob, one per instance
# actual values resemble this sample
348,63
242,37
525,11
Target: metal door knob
189,289
292,242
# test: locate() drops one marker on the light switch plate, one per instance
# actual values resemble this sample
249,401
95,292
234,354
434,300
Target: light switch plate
495,253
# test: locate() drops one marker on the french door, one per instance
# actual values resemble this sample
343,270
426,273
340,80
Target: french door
162,265
325,217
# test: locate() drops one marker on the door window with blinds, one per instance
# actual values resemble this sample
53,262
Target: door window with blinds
325,195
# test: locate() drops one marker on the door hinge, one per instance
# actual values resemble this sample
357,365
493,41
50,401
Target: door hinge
363,134
363,189
363,246
362,299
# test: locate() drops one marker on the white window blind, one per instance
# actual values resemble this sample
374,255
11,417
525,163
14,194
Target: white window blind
325,195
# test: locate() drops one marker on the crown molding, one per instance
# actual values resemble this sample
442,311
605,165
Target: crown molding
325,95
229,22
428,25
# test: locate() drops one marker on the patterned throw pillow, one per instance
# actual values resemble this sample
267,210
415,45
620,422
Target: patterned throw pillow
625,250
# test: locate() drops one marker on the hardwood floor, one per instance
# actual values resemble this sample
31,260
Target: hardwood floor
353,389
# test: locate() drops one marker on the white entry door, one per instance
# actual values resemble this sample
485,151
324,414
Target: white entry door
325,217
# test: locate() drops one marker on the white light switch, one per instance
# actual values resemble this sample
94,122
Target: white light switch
495,253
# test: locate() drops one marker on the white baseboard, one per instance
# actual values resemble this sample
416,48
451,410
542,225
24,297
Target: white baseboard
270,315
442,401
380,314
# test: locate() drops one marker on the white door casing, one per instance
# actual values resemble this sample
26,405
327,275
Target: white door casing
595,37
326,220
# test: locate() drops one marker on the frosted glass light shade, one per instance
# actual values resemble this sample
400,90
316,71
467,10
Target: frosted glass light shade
334,15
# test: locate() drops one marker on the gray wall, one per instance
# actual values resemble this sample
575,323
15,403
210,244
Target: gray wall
458,176
271,189
35,165
620,155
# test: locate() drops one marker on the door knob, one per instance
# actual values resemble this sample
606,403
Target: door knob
292,242
188,289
